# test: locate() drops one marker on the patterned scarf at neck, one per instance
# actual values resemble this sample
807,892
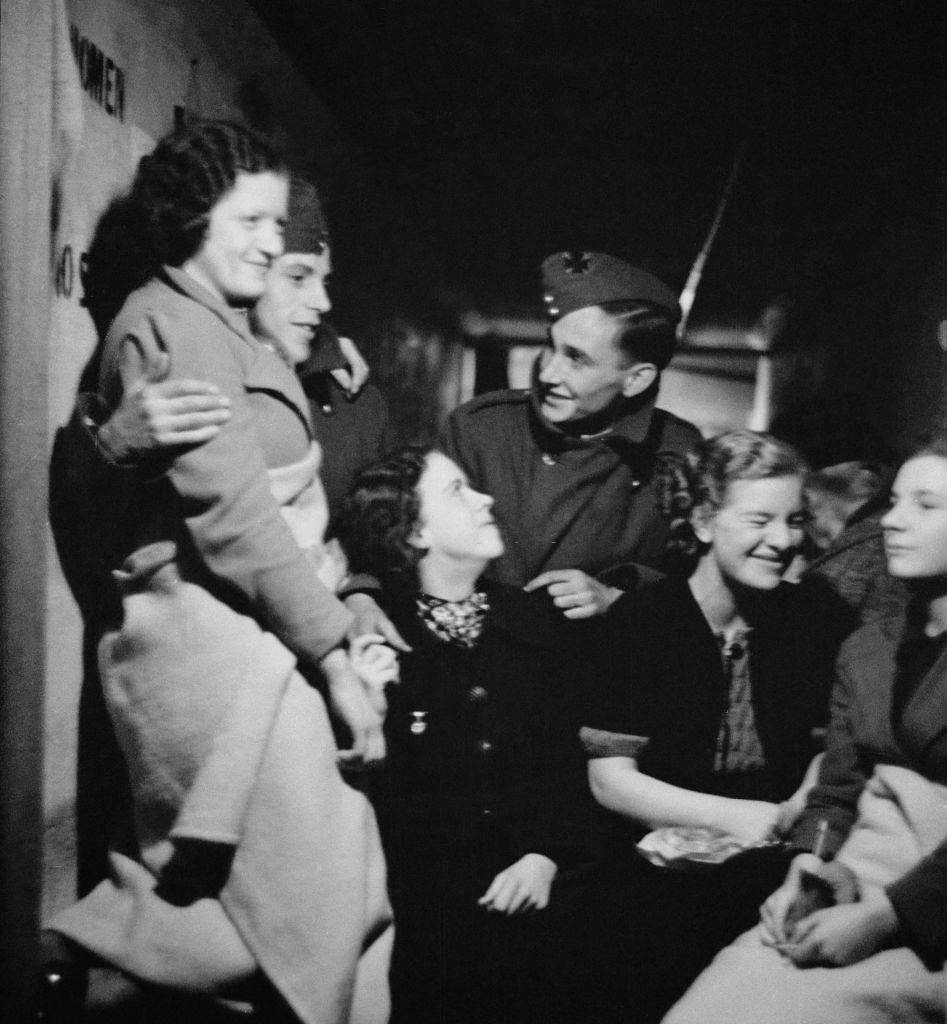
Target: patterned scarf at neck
456,622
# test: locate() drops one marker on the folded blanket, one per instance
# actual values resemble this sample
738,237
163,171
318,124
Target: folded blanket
902,817
258,853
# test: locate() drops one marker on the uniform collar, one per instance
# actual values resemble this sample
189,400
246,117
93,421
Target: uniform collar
325,356
627,430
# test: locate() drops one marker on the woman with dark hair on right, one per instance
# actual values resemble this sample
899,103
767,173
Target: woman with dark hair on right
871,950
482,800
701,732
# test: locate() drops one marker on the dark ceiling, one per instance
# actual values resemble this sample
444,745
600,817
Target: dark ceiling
501,130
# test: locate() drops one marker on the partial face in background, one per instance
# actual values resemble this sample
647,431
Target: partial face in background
915,527
244,237
835,492
828,512
291,308
456,522
583,370
757,531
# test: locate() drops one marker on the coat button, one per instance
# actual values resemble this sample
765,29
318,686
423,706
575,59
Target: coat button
477,694
548,459
484,747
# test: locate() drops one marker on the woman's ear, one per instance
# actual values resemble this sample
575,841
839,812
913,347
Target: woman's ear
419,539
702,519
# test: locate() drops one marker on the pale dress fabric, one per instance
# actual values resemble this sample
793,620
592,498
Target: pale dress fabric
302,499
227,744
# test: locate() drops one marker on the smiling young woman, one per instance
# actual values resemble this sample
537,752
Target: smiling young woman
714,681
878,813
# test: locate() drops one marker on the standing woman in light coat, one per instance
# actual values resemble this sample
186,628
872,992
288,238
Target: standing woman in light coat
255,862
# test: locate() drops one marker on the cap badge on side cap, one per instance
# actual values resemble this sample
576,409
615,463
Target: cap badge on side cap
576,262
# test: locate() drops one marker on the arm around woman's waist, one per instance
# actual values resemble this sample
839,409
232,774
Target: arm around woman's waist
222,486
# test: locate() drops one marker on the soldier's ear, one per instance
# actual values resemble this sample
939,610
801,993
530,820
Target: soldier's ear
638,378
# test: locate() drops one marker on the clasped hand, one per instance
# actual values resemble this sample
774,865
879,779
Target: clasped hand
830,936
351,703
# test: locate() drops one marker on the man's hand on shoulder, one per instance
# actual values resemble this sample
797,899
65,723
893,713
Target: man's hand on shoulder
579,595
156,413
353,376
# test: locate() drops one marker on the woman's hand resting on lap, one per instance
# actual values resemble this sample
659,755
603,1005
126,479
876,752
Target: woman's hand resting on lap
522,886
843,934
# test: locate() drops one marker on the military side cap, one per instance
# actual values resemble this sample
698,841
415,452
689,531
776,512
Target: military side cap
574,280
306,228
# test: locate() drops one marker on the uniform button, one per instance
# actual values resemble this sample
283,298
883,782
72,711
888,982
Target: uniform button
486,812
635,484
484,747
327,410
548,459
477,694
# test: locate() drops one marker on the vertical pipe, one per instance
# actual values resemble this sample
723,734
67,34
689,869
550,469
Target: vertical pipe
762,411
35,82
689,292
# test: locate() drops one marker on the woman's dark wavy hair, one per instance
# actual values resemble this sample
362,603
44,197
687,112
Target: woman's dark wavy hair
180,182
701,479
380,515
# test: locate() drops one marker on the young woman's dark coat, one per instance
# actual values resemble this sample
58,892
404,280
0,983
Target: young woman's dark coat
484,766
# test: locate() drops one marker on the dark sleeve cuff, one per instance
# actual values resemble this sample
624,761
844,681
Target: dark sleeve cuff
602,743
91,414
628,576
919,898
566,858
804,837
359,583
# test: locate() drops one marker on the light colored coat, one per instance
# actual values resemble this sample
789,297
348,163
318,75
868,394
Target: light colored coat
255,852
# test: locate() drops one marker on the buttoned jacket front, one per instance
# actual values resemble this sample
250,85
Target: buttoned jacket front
566,502
483,751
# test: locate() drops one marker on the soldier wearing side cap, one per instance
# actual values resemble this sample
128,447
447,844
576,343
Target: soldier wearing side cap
570,461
